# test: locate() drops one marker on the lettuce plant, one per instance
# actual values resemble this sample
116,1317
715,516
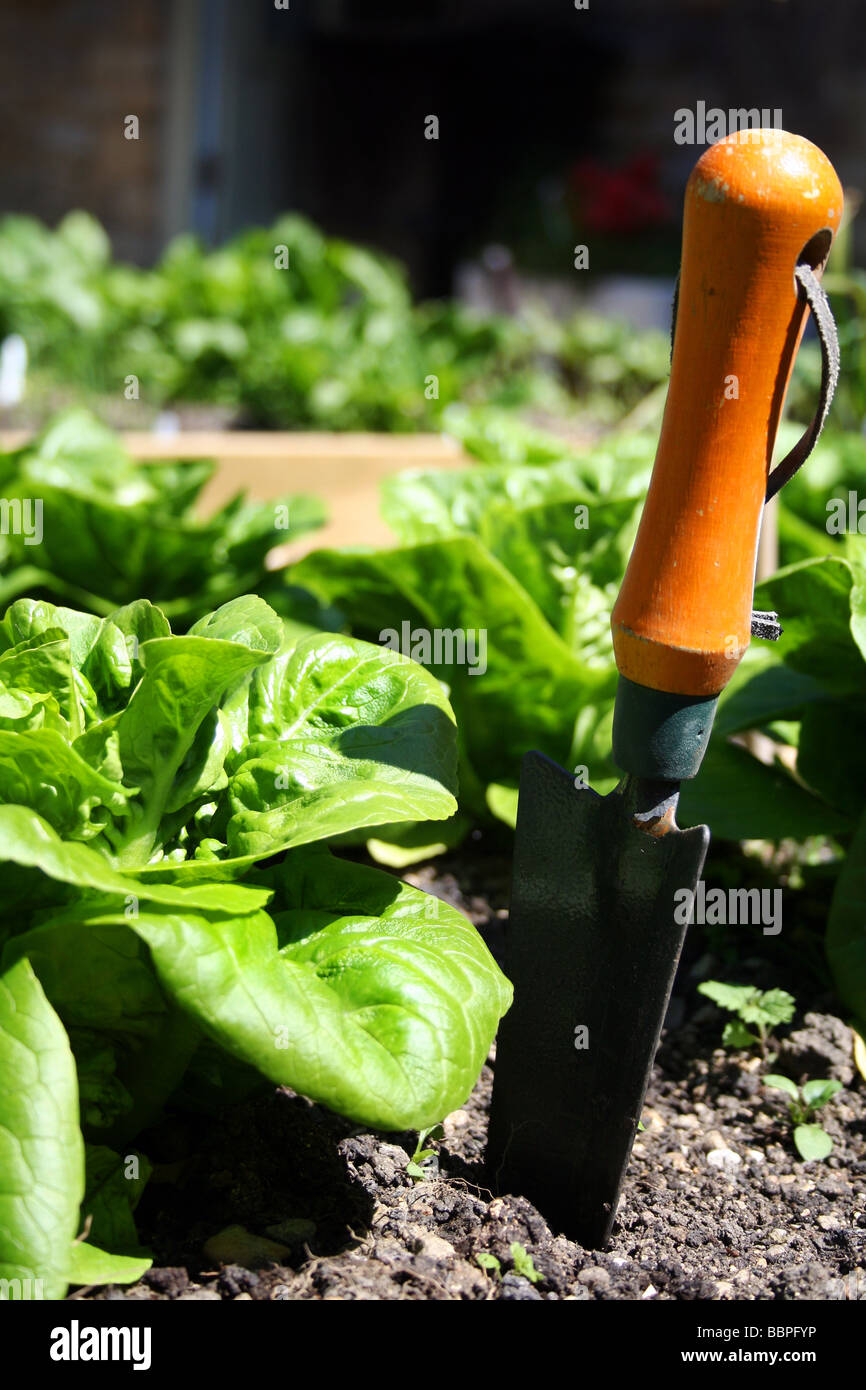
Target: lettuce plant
86,525
171,911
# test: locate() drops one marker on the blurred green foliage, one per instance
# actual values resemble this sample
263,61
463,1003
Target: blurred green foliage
104,530
291,329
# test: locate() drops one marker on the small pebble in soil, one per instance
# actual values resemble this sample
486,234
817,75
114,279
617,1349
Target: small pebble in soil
514,1286
236,1281
725,1159
237,1246
830,1223
434,1247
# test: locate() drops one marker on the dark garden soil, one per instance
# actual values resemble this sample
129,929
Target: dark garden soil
278,1199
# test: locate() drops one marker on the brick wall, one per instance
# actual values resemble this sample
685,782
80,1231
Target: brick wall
70,71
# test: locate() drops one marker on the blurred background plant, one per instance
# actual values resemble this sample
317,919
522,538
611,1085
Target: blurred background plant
284,327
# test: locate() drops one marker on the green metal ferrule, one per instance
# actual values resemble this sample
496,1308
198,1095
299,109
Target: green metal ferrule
659,736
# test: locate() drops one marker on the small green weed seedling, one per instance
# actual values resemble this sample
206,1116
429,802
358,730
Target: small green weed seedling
521,1259
415,1167
489,1264
811,1140
763,1010
523,1263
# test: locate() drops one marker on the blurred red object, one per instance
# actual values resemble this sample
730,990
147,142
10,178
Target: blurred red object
623,200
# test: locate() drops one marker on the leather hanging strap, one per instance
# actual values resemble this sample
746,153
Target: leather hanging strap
813,292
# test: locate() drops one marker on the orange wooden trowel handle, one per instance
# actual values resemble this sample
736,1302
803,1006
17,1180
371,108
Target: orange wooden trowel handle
757,203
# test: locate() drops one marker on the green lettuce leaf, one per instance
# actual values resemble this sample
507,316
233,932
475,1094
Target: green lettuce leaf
342,735
361,992
114,1183
41,1152
89,1265
532,686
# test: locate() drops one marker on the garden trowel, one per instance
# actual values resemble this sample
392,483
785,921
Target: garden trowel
603,885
